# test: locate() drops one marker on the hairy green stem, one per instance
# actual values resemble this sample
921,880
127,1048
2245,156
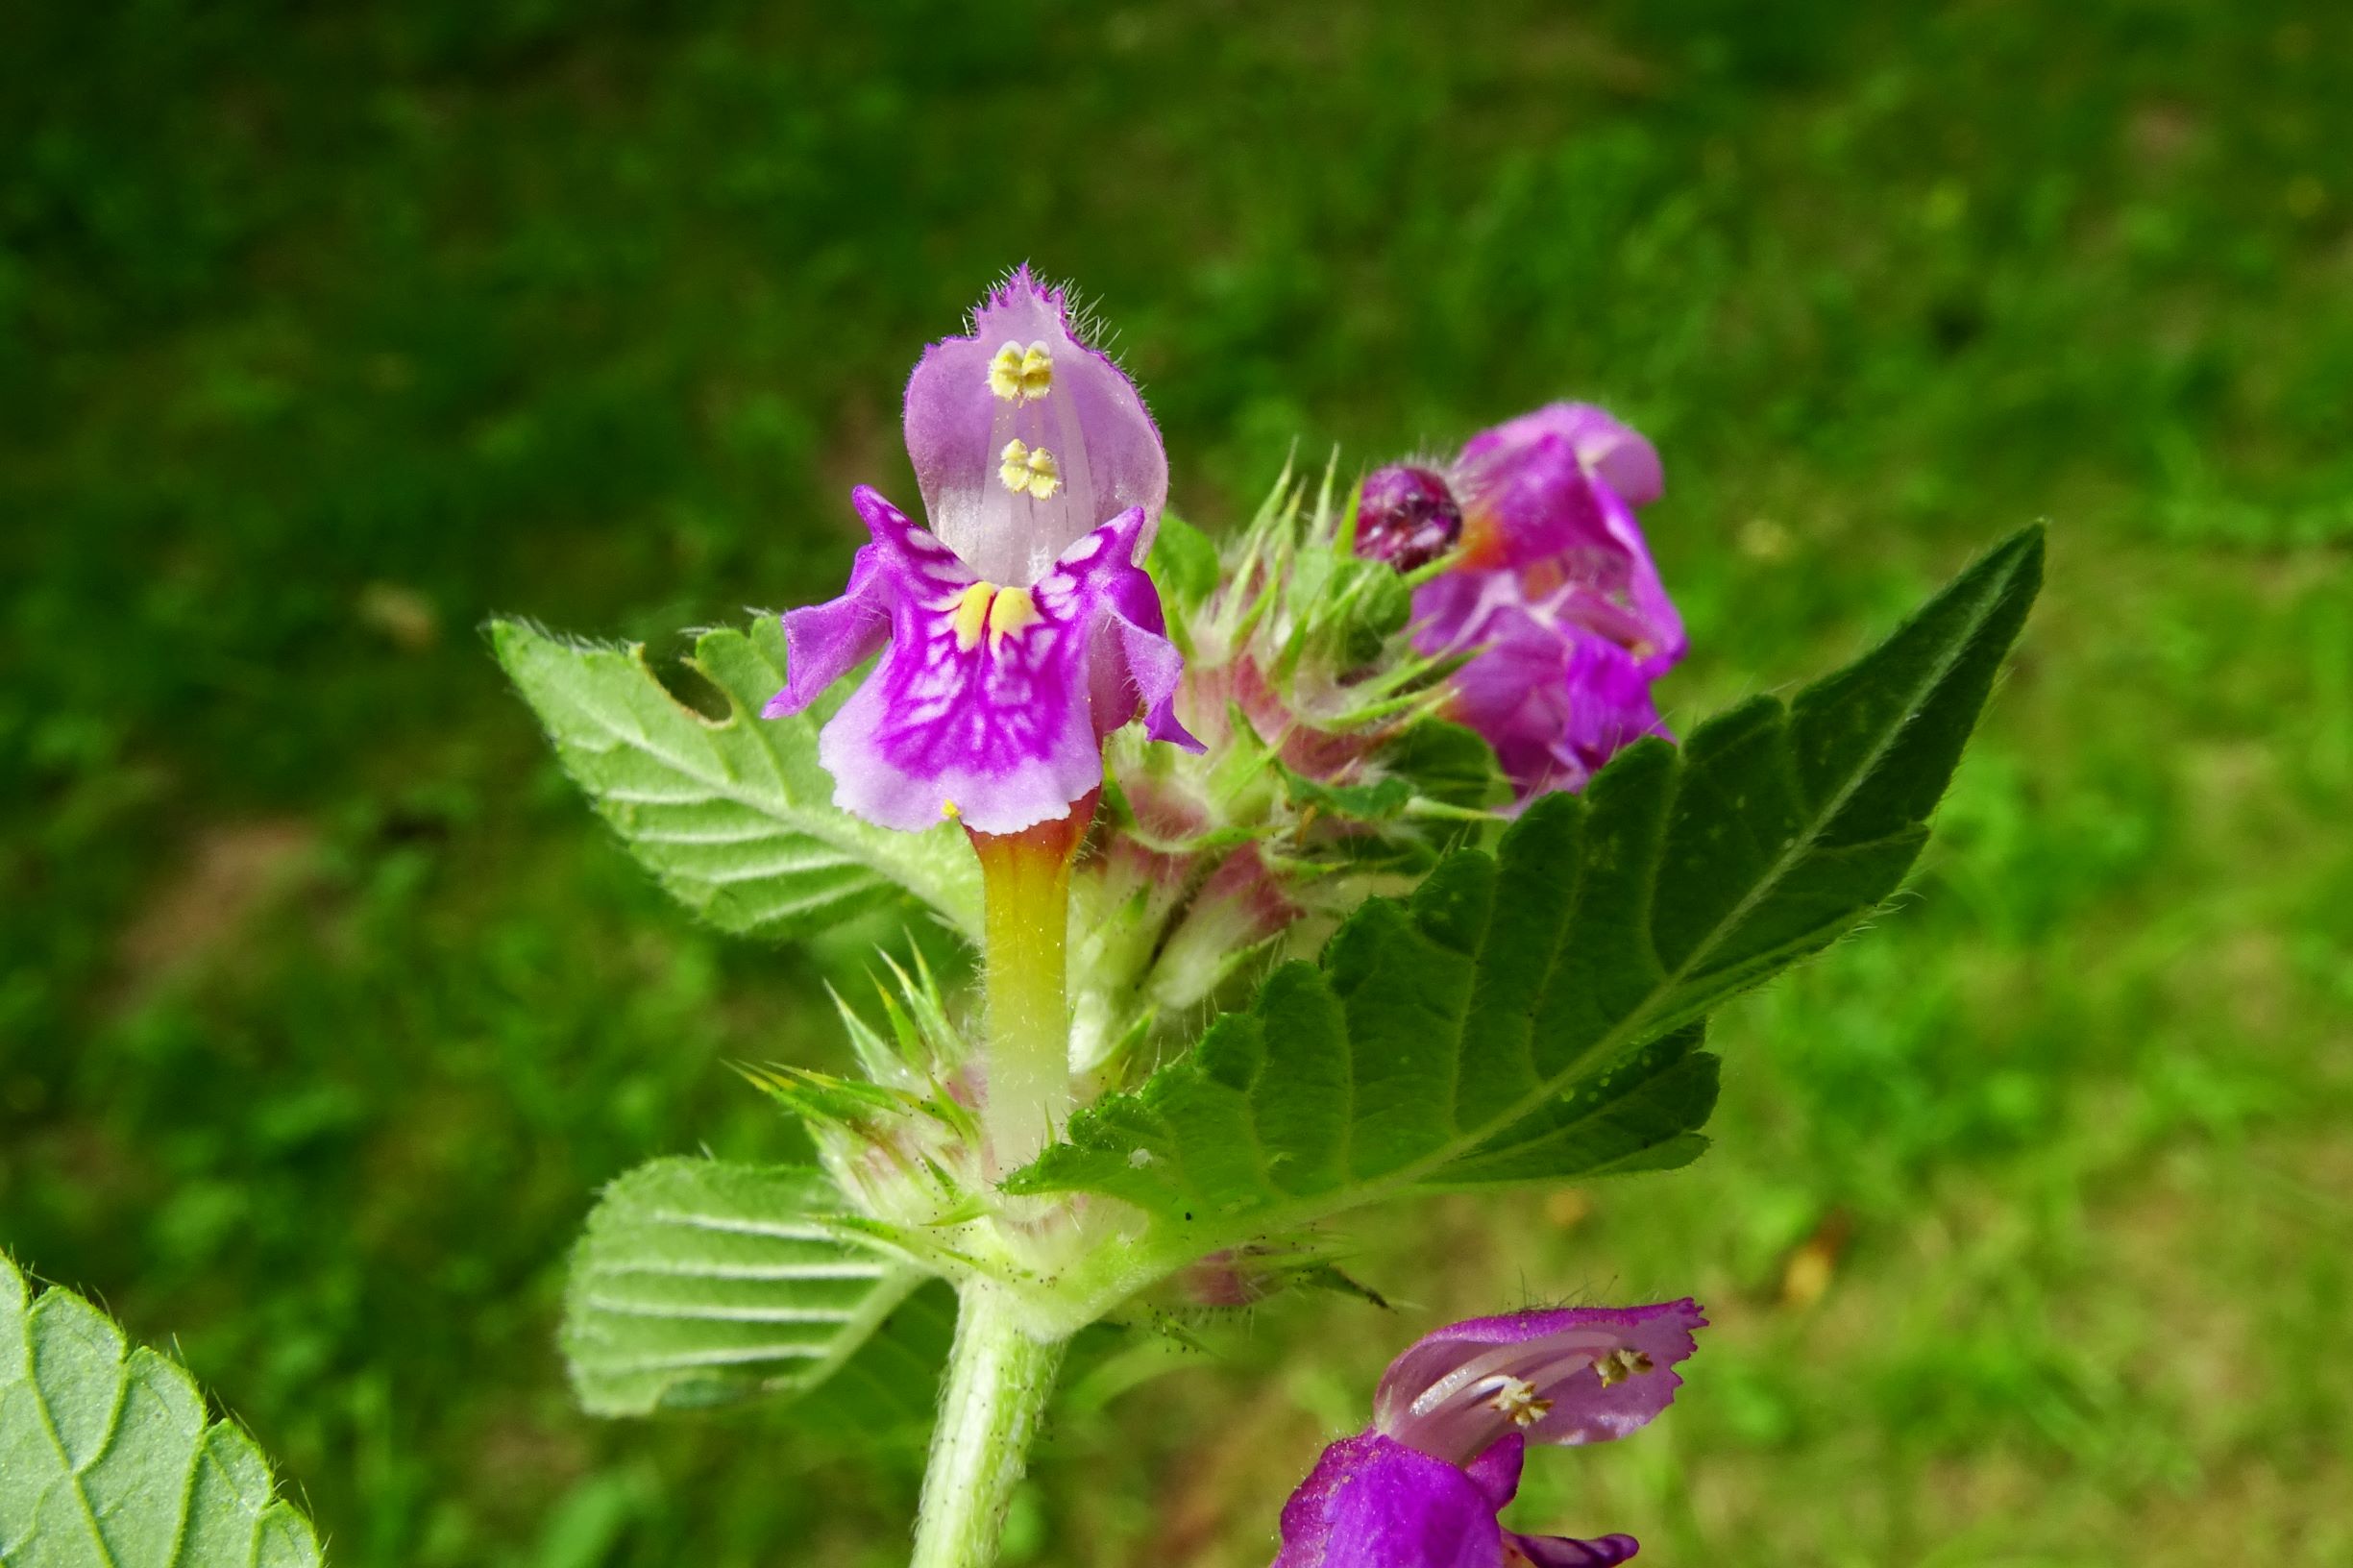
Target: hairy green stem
998,1380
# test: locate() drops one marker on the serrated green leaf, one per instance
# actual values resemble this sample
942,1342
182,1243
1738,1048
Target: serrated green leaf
1644,1114
1532,1014
734,816
702,1283
108,1458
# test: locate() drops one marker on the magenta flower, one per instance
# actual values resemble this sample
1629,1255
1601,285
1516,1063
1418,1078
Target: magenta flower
1452,1422
1552,591
1020,629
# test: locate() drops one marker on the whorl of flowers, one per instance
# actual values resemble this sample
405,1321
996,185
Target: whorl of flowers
1551,589
1353,685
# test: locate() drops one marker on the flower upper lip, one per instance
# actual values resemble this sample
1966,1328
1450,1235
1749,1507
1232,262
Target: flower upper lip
1560,1354
1425,1487
1020,455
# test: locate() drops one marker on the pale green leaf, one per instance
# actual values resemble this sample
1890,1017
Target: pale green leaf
109,1459
733,815
1533,1015
700,1283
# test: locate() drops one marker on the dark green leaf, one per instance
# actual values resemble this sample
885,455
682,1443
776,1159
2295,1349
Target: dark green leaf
1532,1014
1641,1115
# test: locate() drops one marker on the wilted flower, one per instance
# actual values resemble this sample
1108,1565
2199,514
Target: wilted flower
1552,590
1020,629
1424,1487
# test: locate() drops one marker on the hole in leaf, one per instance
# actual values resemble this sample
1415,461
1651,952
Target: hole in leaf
690,688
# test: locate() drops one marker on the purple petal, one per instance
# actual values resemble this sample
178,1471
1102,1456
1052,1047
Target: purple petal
1134,664
825,641
1606,447
1496,1472
1560,1551
1556,700
1374,1502
1071,403
1551,494
1658,640
1528,501
990,706
1462,1388
1574,540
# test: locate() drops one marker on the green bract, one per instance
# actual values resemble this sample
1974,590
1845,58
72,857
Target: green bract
109,1458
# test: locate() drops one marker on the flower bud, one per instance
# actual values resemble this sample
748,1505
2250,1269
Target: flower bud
1407,517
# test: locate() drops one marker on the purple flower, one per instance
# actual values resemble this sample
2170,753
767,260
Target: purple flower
1424,1487
1552,590
1020,629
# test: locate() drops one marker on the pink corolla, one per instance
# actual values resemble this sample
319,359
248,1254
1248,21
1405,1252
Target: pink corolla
1020,628
1425,1485
1551,588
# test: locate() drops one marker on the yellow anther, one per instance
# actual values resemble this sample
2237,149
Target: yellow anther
1044,477
1030,470
1019,375
1037,371
1005,373
950,810
1517,1403
971,614
1620,1364
1013,612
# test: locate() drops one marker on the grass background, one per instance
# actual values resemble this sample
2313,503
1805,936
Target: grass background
325,330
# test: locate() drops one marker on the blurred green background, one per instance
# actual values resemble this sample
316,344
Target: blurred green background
328,329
